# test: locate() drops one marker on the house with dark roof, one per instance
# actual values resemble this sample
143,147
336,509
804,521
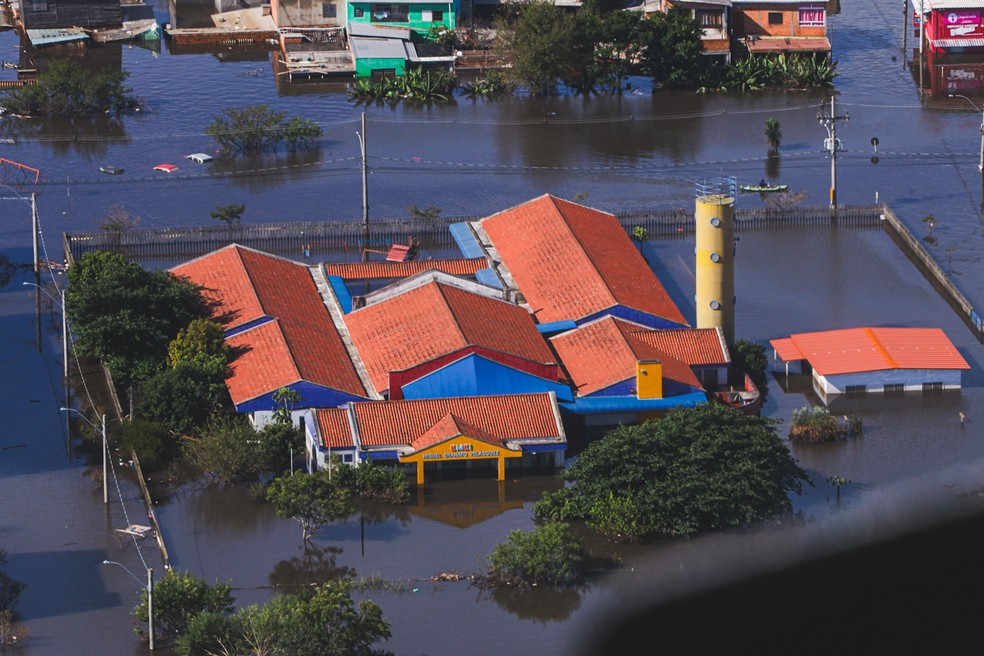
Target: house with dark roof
435,335
504,431
568,262
874,360
284,325
623,373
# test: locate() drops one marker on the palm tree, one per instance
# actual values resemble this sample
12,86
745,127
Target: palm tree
773,134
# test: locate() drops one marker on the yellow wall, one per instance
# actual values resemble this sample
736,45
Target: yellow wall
649,379
715,264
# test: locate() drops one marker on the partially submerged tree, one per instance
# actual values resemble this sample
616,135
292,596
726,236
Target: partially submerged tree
549,554
258,129
773,134
179,597
229,214
68,91
127,315
228,451
10,589
698,469
673,53
310,499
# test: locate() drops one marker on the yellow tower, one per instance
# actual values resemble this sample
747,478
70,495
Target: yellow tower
715,254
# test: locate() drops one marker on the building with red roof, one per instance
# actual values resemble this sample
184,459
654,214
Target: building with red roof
434,335
278,319
519,429
876,360
569,262
620,377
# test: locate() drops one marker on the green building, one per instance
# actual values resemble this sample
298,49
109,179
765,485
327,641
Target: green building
419,15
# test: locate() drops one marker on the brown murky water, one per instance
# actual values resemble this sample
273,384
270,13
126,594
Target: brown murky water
473,158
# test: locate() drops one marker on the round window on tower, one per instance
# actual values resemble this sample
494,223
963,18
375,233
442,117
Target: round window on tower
715,257
715,305
715,222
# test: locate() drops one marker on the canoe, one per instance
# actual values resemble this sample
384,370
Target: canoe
766,188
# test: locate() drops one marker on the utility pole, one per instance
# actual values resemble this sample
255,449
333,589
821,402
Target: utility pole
37,260
905,32
105,458
922,33
64,337
365,185
832,145
150,606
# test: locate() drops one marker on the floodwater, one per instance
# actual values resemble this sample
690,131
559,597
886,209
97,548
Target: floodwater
471,158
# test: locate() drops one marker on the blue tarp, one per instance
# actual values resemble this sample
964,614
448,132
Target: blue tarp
342,292
488,277
554,327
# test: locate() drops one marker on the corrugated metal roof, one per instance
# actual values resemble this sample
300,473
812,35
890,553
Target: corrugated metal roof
373,270
364,47
52,35
604,352
954,4
856,350
957,43
572,261
250,285
789,44
508,417
786,350
435,319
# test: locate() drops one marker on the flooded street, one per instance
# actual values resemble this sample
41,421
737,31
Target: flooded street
638,151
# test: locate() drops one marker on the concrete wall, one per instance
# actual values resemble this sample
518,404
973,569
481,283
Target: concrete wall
875,381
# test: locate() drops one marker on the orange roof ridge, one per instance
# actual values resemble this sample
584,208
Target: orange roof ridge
880,348
454,315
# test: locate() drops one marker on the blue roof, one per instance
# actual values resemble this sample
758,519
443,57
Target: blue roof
598,405
465,239
342,292
556,327
488,277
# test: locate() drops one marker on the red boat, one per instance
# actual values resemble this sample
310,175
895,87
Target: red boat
748,400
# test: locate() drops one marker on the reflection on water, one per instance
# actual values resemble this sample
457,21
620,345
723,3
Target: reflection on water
316,564
543,604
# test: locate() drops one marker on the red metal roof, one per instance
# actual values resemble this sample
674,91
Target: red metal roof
695,346
855,350
373,270
507,417
602,353
433,320
304,343
334,429
572,261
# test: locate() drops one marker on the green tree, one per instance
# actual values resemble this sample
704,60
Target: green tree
698,469
257,129
750,358
128,315
278,443
320,621
618,45
229,214
549,554
371,481
229,451
543,44
773,134
155,445
10,589
310,499
286,399
201,341
672,52
68,91
178,597
184,398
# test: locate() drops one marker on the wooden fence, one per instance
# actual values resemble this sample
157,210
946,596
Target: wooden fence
321,238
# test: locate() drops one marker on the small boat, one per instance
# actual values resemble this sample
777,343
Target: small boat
748,400
111,170
166,168
765,188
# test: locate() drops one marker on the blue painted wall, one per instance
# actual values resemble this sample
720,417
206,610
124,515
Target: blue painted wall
629,314
627,388
474,375
314,396
248,325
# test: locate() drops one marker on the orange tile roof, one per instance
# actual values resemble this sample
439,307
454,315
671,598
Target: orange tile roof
334,429
373,270
790,44
604,352
695,346
572,261
450,426
507,417
856,350
434,319
304,343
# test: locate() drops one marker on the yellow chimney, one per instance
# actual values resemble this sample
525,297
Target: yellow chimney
649,379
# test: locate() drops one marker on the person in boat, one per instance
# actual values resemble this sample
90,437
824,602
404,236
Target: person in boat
762,182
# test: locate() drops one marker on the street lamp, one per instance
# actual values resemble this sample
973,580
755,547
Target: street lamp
980,164
64,324
105,448
150,596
